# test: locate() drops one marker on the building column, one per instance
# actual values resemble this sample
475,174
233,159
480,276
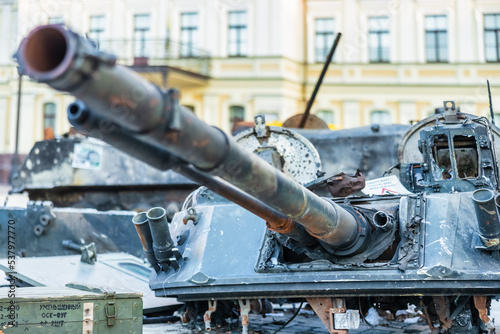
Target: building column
464,33
211,37
211,114
351,114
407,112
407,32
353,39
26,127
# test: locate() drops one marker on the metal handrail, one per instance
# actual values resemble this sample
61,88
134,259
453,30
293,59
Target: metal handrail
158,51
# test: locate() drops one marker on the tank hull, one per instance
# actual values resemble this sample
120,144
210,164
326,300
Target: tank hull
449,264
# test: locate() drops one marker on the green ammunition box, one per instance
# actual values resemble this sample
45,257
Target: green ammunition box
44,310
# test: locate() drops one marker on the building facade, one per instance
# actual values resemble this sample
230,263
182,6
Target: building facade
233,59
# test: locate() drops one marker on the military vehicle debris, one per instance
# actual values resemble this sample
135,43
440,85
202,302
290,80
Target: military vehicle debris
41,230
437,247
82,172
49,172
78,245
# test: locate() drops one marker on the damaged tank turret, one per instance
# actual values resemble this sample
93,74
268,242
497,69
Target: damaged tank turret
435,246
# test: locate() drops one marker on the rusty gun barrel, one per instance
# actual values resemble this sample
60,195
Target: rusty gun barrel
95,126
65,61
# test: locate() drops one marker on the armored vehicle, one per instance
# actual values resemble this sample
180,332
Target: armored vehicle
81,172
256,230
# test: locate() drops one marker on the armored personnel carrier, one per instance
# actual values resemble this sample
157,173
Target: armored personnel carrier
256,230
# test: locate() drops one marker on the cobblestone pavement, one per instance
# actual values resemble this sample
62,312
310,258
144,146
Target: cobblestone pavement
302,324
305,323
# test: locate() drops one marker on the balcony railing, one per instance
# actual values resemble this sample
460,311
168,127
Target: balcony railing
157,52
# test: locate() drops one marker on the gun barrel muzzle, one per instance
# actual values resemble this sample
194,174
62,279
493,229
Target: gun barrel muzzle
67,62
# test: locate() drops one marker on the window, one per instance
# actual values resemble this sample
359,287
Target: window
379,39
236,114
237,33
189,34
141,35
326,115
324,38
380,117
492,37
436,38
441,154
56,20
49,120
96,28
466,157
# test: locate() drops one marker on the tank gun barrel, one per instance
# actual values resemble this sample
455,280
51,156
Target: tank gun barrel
65,61
96,126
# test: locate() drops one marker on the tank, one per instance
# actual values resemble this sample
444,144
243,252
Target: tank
256,229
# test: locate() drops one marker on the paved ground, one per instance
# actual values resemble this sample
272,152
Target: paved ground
304,323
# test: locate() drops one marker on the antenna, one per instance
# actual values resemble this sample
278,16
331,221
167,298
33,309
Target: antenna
320,80
491,104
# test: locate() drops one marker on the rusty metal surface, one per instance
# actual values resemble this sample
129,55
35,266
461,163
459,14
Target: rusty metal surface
139,109
83,119
299,159
441,304
342,185
313,122
50,164
480,302
322,307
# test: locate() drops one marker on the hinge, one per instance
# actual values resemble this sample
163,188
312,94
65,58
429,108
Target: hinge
483,142
418,208
486,163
